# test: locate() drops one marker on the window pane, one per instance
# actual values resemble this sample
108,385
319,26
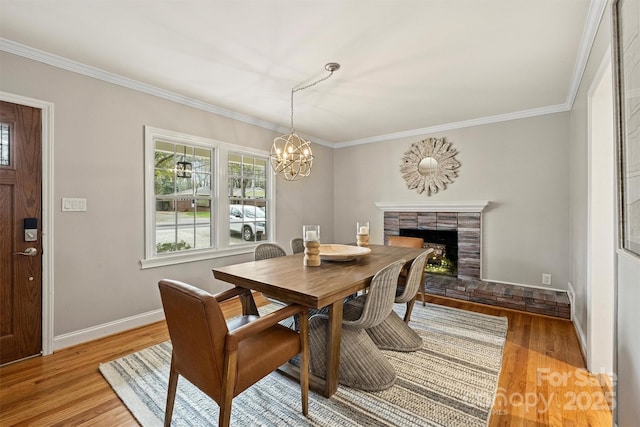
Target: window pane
4,145
234,165
235,187
260,170
202,160
164,182
247,166
202,184
203,224
164,155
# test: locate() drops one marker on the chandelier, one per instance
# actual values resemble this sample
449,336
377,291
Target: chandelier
291,154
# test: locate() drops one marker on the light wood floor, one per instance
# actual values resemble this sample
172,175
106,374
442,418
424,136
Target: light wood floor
543,381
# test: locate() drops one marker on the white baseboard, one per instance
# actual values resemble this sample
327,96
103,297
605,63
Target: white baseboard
579,332
110,328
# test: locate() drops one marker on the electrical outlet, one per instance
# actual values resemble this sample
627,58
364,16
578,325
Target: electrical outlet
546,279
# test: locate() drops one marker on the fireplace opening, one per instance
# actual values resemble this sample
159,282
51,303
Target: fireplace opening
444,259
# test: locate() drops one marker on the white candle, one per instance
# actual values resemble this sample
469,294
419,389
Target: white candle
364,230
311,236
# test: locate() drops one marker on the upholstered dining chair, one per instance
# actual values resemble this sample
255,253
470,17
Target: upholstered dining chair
409,242
297,245
268,250
362,364
394,333
224,359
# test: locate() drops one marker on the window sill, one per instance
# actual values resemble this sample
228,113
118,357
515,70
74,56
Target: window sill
192,256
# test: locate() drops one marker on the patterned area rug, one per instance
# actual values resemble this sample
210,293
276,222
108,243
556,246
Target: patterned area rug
451,381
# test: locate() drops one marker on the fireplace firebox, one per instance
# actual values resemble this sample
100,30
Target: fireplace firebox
444,259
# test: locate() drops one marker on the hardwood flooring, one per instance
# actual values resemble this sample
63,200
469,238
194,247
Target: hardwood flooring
543,380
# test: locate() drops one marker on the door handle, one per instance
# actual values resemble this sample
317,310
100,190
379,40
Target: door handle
28,252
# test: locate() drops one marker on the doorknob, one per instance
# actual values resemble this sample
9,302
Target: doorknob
28,252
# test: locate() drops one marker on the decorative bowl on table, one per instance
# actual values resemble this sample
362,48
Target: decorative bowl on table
335,252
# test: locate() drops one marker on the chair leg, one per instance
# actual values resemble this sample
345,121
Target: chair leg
424,291
171,394
304,362
407,314
228,383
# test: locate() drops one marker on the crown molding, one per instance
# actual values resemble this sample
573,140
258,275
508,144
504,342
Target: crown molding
109,77
458,125
594,16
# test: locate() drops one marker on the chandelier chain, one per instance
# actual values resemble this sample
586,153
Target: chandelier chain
303,88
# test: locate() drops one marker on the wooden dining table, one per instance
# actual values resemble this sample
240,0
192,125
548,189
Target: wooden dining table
288,280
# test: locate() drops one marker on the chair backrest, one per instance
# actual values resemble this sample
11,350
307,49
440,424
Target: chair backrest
380,297
268,250
297,245
198,330
407,242
415,277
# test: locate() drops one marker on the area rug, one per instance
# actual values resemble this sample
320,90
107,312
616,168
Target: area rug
451,381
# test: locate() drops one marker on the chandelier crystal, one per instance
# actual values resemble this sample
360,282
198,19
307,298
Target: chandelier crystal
291,155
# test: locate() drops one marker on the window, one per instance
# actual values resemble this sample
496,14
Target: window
185,220
247,187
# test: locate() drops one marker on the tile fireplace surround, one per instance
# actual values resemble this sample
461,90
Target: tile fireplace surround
463,217
466,219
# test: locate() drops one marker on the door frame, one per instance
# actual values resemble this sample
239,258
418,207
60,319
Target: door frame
601,311
47,212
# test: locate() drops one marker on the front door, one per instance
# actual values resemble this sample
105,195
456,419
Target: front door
20,227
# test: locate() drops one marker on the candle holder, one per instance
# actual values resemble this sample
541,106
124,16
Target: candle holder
311,236
362,233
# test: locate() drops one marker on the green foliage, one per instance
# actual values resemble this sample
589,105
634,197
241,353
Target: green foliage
172,247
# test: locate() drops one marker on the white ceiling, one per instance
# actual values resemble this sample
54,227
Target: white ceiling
406,65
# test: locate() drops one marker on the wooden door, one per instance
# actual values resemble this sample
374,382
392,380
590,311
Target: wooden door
20,227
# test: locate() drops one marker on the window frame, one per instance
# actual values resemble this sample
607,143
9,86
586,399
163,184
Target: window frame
220,245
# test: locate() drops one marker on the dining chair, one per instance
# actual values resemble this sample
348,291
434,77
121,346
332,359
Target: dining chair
268,250
394,333
409,242
225,358
297,245
362,364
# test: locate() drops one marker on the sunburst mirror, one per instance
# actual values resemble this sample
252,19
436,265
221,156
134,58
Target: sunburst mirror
429,165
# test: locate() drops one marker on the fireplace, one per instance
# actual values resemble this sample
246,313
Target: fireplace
444,259
462,219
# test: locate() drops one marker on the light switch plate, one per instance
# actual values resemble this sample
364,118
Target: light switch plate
74,204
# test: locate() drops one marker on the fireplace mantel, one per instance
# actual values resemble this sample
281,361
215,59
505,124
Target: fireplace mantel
441,206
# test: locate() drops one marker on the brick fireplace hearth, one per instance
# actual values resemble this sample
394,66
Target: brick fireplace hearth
466,219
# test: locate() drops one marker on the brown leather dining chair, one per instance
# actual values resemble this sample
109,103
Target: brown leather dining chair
224,359
409,242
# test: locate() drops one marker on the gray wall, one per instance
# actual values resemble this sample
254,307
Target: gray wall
98,155
627,282
520,166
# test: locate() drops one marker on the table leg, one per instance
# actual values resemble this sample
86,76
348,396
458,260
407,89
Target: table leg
248,304
333,348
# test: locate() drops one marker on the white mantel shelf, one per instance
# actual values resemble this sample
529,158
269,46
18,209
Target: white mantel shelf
444,206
